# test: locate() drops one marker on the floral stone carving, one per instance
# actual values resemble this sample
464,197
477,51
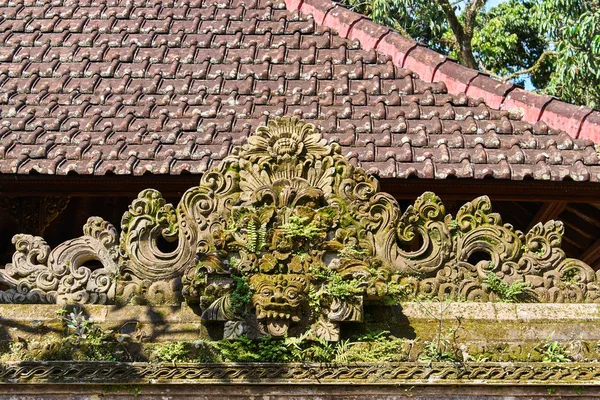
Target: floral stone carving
286,252
285,236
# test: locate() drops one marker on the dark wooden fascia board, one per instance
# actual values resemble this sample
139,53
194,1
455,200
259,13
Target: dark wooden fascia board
176,185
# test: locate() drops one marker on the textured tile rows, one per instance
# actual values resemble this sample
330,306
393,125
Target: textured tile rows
169,87
578,121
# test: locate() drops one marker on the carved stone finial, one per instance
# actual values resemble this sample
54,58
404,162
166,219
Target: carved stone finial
287,254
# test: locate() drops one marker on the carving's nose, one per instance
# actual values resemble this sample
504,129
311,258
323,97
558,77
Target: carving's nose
277,298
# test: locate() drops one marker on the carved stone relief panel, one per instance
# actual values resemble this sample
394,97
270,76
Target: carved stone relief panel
286,237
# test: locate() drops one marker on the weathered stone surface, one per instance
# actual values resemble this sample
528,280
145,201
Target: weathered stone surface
38,275
479,322
303,374
298,391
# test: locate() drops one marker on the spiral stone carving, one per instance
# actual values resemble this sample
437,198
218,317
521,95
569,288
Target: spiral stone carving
38,275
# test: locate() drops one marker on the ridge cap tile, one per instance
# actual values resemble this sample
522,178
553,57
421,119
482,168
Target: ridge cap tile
492,91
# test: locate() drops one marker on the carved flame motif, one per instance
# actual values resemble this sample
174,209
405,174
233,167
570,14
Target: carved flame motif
285,236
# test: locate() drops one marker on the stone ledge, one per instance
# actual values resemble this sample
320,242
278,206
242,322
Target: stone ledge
285,392
481,322
517,312
407,373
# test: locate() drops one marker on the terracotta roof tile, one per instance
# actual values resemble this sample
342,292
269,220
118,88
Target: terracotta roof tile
170,87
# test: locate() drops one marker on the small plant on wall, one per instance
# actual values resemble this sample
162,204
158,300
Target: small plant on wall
517,291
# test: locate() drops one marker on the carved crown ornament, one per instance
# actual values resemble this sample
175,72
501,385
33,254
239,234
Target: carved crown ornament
285,237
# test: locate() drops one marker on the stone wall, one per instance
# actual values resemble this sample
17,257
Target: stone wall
299,392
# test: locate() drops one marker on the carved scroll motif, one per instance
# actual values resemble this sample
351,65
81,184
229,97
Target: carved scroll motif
285,236
81,270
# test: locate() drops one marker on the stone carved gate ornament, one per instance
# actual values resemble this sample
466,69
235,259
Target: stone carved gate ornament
286,236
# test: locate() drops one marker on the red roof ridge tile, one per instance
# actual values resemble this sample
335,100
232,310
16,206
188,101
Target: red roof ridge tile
578,121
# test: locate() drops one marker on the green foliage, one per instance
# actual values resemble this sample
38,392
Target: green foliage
206,351
233,262
314,299
241,295
554,352
256,235
573,29
81,340
98,346
438,351
170,352
554,43
352,252
320,272
297,228
343,289
334,284
515,292
305,348
423,21
373,336
569,276
243,349
78,323
323,351
444,348
320,350
377,346
86,340
454,227
396,293
508,41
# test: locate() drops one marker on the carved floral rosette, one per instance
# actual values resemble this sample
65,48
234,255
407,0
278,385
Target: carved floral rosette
285,237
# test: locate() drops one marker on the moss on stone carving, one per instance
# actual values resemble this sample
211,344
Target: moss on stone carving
81,339
517,291
241,296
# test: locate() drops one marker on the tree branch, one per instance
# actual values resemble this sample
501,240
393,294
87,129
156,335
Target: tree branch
471,15
526,71
463,37
455,24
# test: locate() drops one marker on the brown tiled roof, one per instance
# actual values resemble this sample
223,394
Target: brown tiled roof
168,87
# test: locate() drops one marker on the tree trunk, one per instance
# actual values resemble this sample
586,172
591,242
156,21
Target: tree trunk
466,53
463,34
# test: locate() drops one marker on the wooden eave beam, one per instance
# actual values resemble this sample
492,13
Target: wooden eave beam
549,211
591,255
582,215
